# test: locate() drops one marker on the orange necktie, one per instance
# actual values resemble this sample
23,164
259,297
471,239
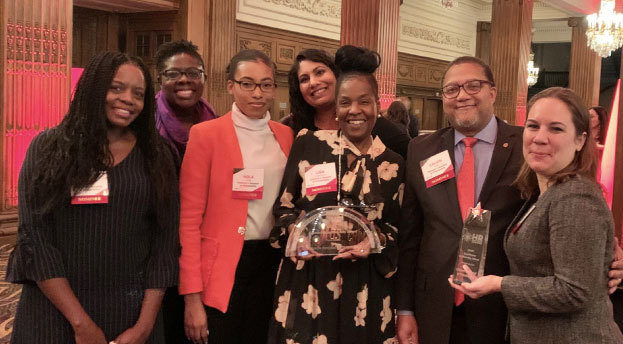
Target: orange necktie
465,187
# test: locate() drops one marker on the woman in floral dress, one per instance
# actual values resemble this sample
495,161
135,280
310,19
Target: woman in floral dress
345,298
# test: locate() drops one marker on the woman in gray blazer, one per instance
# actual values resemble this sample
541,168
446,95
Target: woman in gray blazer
560,244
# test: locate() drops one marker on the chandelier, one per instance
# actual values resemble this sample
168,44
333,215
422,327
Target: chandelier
605,29
449,3
533,72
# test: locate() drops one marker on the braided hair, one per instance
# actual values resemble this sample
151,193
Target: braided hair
73,154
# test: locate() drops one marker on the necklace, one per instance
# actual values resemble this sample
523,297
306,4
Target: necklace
340,152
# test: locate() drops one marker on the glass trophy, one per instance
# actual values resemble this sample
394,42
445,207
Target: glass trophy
473,248
324,231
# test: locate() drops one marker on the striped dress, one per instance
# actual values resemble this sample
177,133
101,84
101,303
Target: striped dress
110,253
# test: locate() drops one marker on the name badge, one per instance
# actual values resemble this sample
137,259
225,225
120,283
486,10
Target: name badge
320,178
248,183
436,169
97,193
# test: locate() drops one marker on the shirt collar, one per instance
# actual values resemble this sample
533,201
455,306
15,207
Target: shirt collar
244,121
488,134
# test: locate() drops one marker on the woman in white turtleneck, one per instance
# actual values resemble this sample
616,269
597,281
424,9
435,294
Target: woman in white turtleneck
229,181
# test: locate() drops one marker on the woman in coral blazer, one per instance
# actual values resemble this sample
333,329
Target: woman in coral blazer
229,180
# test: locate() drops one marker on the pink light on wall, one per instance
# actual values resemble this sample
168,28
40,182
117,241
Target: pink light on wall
35,81
520,115
608,157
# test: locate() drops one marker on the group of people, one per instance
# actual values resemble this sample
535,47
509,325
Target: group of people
136,197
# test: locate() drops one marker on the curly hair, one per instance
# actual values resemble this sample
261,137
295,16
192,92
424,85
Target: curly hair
166,50
75,152
357,62
303,113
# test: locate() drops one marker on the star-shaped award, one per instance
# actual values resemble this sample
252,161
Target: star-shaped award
478,211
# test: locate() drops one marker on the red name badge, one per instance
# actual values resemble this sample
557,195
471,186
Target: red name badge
93,194
320,178
436,169
248,183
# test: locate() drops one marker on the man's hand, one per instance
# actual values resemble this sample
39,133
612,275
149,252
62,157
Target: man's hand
406,329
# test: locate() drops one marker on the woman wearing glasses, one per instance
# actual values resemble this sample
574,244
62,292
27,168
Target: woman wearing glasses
345,298
229,181
179,103
559,246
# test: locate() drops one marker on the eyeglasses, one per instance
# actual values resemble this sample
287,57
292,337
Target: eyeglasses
248,85
471,87
191,73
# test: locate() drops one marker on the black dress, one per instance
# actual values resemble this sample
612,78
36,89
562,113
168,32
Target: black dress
110,253
322,301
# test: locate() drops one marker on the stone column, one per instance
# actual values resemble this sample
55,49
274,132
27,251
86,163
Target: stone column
35,59
585,66
510,52
211,25
374,24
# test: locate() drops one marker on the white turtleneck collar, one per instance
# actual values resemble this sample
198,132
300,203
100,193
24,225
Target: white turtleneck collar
243,121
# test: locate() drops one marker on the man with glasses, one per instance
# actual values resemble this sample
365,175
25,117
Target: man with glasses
179,106
485,155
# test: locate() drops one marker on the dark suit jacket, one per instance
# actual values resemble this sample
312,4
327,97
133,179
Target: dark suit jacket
414,125
431,231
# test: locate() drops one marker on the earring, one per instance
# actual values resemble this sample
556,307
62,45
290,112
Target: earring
336,119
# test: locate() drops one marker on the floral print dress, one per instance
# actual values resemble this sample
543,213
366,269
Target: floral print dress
321,301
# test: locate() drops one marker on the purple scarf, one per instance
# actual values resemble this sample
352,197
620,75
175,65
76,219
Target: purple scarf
170,127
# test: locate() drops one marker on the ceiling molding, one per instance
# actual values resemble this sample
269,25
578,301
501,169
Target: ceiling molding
129,6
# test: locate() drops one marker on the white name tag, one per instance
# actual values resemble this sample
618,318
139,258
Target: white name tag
248,183
436,169
320,178
97,193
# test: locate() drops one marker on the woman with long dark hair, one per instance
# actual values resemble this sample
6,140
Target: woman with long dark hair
312,81
345,298
98,212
